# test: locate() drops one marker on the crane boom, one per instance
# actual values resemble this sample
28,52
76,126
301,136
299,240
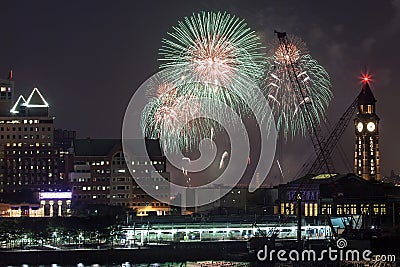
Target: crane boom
330,142
312,125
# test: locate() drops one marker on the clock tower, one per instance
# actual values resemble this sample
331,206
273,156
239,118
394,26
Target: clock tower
366,155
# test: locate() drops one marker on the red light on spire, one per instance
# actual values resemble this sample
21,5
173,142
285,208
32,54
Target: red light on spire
366,77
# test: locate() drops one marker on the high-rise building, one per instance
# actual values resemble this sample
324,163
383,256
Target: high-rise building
29,160
366,155
6,95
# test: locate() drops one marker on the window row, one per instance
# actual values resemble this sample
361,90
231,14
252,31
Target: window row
153,204
91,196
312,209
91,188
98,179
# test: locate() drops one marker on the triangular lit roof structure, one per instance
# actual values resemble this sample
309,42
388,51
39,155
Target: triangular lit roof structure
17,106
36,100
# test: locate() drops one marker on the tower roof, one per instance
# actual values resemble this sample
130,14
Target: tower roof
366,96
17,106
36,100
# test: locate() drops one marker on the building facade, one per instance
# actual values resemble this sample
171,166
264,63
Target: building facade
99,175
29,159
6,96
339,196
45,204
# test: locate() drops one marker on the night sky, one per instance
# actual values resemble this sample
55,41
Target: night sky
88,57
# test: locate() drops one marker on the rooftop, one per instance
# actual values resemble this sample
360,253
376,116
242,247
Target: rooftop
366,96
103,147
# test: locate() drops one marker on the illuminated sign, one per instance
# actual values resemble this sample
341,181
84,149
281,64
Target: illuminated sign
55,195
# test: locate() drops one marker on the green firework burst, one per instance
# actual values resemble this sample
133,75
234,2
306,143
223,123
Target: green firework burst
283,92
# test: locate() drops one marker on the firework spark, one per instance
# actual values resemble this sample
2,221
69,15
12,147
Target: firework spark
284,95
214,54
223,158
291,52
209,55
173,119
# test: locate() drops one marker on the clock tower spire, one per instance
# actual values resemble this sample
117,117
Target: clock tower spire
366,155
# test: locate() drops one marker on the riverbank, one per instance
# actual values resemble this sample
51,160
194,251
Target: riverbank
181,252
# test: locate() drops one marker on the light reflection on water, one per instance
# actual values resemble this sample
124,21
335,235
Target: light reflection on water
167,264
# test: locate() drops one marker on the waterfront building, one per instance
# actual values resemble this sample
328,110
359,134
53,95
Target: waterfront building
361,195
44,204
337,195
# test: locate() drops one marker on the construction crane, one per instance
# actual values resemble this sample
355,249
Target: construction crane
310,120
329,143
323,146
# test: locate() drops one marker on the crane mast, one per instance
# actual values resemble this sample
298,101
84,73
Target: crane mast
310,119
329,143
322,146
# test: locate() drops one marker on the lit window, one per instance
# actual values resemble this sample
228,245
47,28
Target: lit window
353,209
287,208
365,208
282,208
305,209
339,209
326,208
346,209
383,209
376,209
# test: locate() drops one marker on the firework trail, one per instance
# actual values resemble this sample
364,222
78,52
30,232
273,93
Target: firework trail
213,55
283,93
208,55
224,156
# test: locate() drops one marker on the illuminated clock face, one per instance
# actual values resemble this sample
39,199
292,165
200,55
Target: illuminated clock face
371,126
360,126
